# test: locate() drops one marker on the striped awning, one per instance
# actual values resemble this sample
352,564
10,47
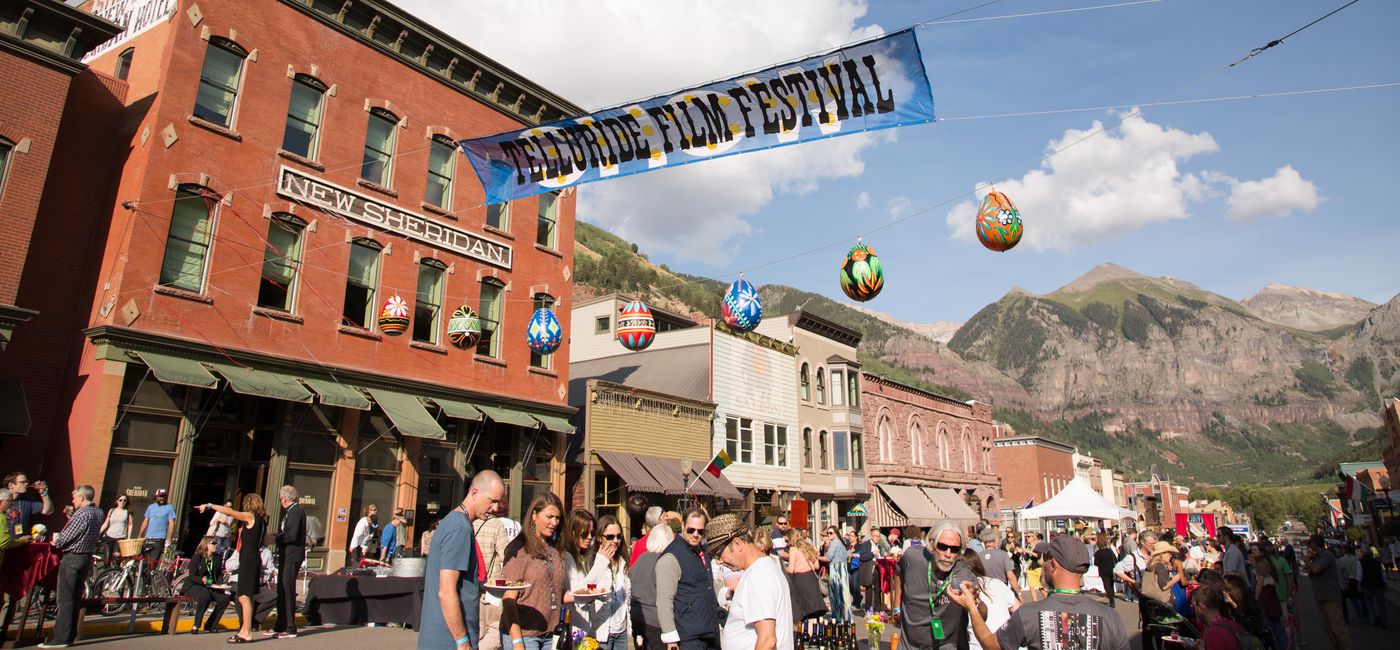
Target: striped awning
630,470
884,515
951,506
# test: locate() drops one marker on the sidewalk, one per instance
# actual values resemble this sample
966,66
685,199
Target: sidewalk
94,627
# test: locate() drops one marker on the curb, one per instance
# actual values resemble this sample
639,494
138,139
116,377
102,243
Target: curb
153,626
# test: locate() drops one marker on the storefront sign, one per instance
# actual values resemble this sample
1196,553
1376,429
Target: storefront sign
365,209
137,492
872,85
307,501
135,15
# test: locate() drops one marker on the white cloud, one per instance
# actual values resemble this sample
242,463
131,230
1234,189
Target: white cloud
863,200
617,51
898,206
1122,179
1275,196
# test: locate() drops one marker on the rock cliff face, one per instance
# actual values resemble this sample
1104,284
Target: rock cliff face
1306,309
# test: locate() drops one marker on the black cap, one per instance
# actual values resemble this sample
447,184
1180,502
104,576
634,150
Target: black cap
1067,552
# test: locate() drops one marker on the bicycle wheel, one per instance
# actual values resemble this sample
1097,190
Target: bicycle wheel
113,583
158,586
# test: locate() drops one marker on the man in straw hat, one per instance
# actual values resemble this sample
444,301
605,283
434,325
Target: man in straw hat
760,613
1066,619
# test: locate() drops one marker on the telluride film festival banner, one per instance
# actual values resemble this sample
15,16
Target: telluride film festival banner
872,85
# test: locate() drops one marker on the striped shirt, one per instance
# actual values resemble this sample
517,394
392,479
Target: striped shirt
80,535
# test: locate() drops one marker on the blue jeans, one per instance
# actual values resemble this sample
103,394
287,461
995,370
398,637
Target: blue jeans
615,642
531,642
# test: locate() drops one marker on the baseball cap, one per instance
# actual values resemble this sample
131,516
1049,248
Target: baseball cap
162,492
1067,552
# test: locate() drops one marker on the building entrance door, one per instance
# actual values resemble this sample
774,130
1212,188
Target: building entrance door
217,483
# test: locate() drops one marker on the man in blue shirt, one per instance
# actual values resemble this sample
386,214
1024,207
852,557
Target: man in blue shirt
389,540
452,580
26,504
156,526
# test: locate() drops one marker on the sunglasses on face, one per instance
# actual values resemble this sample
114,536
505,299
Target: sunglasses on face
694,531
948,548
586,534
613,537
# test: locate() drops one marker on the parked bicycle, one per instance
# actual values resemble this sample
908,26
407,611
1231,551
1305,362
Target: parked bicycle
133,576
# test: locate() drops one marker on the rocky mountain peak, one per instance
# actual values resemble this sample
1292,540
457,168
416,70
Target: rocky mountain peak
1306,309
1106,272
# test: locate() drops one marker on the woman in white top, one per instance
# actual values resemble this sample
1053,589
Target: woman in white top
219,526
364,531
590,571
994,593
619,604
117,526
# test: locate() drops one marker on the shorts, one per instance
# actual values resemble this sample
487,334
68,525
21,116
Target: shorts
1033,578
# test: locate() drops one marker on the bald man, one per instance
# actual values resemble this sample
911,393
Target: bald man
452,583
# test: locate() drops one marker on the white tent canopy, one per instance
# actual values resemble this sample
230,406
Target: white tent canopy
1078,499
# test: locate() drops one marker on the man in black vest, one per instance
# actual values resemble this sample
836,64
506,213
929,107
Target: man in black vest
291,551
685,590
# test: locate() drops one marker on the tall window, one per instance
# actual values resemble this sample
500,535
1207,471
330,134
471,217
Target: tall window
123,69
549,219
378,162
804,380
822,447
837,389
304,117
738,439
884,438
916,444
775,445
281,259
807,448
218,83
538,360
498,216
821,386
840,447
360,283
6,150
857,458
489,311
427,309
943,454
442,161
852,389
967,451
187,247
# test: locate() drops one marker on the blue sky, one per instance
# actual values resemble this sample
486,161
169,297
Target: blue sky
1231,196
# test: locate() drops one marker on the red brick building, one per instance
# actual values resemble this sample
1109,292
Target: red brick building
1034,469
285,167
927,457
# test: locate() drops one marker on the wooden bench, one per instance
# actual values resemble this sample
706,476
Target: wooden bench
171,617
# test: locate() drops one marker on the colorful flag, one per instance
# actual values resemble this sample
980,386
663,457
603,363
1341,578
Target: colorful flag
720,461
1028,503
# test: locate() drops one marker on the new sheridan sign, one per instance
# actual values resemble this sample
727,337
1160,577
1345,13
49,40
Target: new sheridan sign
329,196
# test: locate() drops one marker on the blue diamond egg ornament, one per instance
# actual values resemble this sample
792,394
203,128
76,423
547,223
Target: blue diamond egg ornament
544,333
742,309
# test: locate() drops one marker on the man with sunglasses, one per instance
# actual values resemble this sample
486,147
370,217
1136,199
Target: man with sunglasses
1065,619
927,578
685,590
779,536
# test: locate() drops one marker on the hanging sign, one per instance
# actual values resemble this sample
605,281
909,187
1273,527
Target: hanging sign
135,16
872,85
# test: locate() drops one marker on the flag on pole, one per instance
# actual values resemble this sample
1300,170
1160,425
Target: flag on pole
1028,503
719,462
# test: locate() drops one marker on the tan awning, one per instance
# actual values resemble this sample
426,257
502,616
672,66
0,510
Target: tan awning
14,409
177,370
951,505
509,416
408,414
913,503
630,470
554,423
337,394
883,514
667,472
458,409
261,383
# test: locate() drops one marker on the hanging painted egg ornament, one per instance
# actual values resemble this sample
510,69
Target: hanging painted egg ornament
862,277
741,309
544,333
636,327
999,223
393,318
464,328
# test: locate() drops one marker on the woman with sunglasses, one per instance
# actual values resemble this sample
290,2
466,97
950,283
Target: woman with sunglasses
528,617
589,572
116,527
613,630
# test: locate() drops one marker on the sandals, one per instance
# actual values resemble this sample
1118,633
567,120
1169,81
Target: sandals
238,639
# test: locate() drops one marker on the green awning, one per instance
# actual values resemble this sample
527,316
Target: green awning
177,370
336,394
14,409
458,409
261,383
510,416
554,423
408,414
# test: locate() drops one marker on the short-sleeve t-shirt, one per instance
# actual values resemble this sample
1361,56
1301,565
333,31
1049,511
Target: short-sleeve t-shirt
1064,621
916,620
996,562
454,549
22,509
762,595
779,541
1282,577
1325,585
158,518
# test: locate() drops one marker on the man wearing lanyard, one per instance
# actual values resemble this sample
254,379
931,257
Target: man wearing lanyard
291,552
452,580
924,584
1066,619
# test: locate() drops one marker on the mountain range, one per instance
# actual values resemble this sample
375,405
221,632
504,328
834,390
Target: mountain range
1138,370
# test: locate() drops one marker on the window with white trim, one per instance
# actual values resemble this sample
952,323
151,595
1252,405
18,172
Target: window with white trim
837,388
549,220
442,164
361,284
774,445
738,439
281,262
498,216
218,82
489,313
378,163
427,306
191,235
300,134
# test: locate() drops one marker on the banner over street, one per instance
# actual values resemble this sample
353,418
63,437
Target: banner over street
872,85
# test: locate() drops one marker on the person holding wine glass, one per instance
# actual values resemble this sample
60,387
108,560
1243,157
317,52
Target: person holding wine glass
588,573
251,522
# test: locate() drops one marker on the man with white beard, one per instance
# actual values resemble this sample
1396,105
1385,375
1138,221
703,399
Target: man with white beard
927,578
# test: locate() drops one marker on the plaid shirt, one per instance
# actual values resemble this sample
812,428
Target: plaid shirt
80,535
492,538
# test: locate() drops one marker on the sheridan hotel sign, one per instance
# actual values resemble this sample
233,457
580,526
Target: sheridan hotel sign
334,198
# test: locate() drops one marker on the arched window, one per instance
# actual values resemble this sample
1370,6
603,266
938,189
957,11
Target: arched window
281,261
884,435
804,381
821,386
943,452
361,283
190,237
916,444
967,450
823,447
987,456
807,448
123,69
378,163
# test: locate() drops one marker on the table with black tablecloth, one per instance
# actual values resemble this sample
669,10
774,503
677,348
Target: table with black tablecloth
355,600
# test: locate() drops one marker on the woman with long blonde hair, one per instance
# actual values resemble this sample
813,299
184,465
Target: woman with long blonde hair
251,521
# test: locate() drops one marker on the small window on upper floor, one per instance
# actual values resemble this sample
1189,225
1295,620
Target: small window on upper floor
7,150
377,165
489,312
442,162
361,284
498,216
218,82
304,117
187,244
804,381
281,261
821,386
427,307
602,325
836,388
123,68
549,219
